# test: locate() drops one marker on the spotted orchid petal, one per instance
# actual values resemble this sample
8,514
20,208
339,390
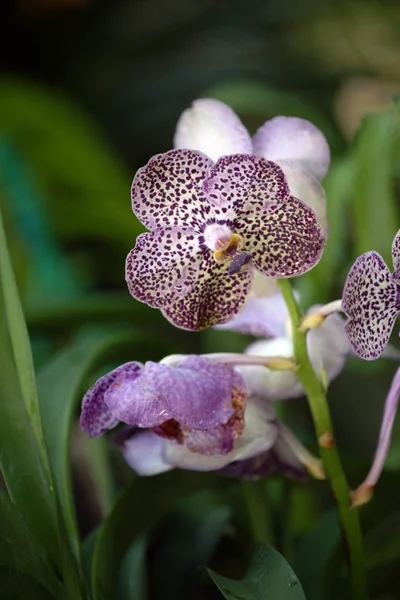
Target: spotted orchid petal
396,257
371,303
294,139
306,187
96,418
266,317
163,266
196,393
259,434
280,232
212,127
167,192
212,299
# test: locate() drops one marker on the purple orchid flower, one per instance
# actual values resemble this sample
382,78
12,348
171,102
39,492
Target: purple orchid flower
198,402
211,224
265,446
371,301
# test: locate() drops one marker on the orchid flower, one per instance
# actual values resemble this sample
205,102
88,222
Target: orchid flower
264,446
213,223
193,412
296,145
371,300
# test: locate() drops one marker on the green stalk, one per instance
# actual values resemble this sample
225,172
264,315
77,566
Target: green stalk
333,468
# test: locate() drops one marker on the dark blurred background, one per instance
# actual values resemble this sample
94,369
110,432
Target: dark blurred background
90,89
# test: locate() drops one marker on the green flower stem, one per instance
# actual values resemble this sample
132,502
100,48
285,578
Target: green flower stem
333,468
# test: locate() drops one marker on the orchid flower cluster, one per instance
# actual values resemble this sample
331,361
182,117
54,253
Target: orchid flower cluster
228,216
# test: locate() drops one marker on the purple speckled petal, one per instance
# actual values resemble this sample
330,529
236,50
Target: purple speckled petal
214,298
212,127
306,187
168,191
163,266
96,418
396,257
259,434
293,139
266,317
371,302
279,231
197,393
143,451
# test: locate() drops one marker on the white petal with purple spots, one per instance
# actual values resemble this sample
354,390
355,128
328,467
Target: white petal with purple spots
163,266
167,192
396,257
214,298
371,302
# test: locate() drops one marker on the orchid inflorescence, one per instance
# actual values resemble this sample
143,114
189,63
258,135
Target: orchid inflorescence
228,215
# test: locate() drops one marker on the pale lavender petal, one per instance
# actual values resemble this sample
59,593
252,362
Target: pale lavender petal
196,393
396,256
371,302
391,405
265,317
294,139
216,441
259,434
328,346
163,266
279,231
212,127
262,286
96,418
214,298
168,191
266,383
304,185
143,451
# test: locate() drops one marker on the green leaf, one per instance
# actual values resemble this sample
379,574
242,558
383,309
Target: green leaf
23,458
60,385
375,206
15,585
269,577
20,550
132,584
75,170
141,506
188,540
315,552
